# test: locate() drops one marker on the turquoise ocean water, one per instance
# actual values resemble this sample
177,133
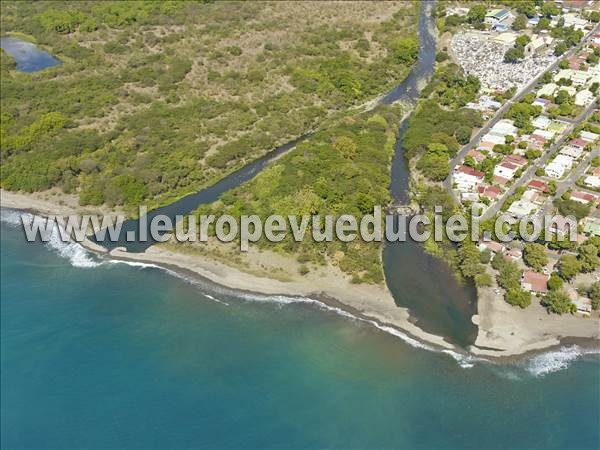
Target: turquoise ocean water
97,354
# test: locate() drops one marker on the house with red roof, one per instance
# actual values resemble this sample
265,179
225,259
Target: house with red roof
467,179
517,160
500,180
476,155
538,185
578,143
491,192
492,246
583,197
535,282
506,170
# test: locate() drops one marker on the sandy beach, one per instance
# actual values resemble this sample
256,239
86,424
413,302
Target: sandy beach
504,330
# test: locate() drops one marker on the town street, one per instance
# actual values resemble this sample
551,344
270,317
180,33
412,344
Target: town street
500,113
529,174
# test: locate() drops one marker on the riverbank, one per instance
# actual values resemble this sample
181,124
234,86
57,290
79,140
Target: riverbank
504,331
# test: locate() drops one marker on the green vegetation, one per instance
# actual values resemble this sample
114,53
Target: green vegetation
558,302
520,22
568,37
434,163
522,114
568,207
158,99
593,292
517,53
340,170
509,278
586,260
555,282
535,256
440,118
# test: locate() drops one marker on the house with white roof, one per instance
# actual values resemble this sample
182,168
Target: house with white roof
584,98
506,170
467,179
592,181
495,16
504,128
548,90
588,136
522,208
494,139
573,152
546,134
575,21
559,165
542,122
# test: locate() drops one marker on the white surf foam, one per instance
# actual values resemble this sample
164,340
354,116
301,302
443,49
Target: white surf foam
555,360
77,255
539,365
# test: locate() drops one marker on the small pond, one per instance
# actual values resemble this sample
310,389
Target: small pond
28,56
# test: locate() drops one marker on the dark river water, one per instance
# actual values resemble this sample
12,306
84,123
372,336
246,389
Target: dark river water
418,281
28,56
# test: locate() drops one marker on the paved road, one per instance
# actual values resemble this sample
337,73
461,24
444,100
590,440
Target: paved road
500,113
529,174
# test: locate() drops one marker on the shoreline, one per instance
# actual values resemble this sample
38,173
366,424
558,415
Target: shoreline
504,332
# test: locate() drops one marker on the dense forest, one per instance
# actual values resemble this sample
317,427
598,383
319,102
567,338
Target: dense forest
344,169
158,99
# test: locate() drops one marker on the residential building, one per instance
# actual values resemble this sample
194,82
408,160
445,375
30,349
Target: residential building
491,192
492,246
467,178
542,122
578,143
584,98
506,170
521,208
547,90
538,185
495,16
573,152
504,127
535,282
476,155
559,165
583,197
592,226
542,102
592,181
588,136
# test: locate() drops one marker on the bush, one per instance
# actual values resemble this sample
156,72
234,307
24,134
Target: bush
535,256
555,282
518,297
558,302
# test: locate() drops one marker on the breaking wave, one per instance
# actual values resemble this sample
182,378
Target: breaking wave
72,251
555,360
539,365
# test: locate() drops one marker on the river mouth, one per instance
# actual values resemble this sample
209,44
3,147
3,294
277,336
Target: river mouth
423,284
28,57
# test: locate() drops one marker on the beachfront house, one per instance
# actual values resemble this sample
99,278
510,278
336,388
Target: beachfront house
535,282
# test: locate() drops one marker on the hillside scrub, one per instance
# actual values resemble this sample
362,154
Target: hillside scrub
172,96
